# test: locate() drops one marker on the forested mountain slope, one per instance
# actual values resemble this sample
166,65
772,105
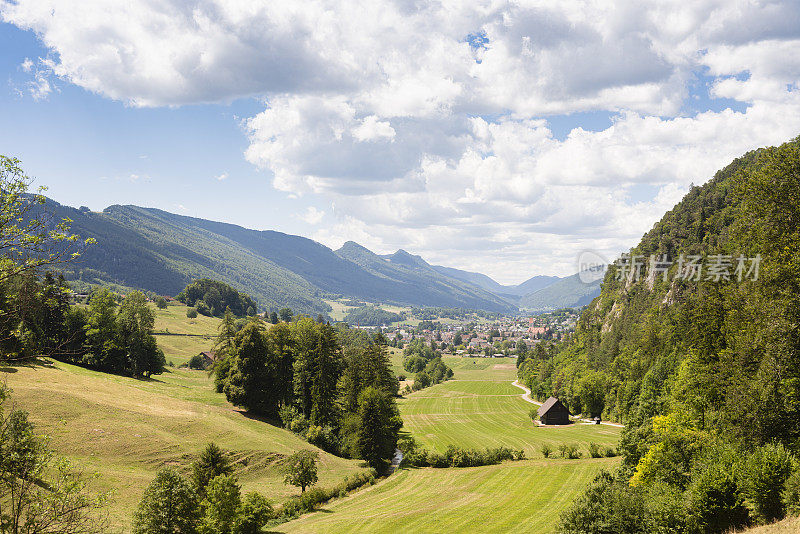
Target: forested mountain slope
703,370
404,274
568,292
527,287
159,251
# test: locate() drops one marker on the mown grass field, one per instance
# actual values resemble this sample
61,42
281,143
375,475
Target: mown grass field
125,430
180,348
525,496
479,408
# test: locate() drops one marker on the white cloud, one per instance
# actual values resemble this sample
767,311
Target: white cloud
312,215
222,176
372,129
427,123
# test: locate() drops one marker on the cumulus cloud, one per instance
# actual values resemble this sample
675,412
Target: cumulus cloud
221,177
312,215
428,124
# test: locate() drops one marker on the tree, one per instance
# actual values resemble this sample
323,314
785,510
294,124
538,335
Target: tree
168,506
220,506
252,380
40,493
253,513
273,317
102,343
224,349
286,315
592,390
213,462
378,426
136,320
327,368
161,302
30,237
191,313
301,469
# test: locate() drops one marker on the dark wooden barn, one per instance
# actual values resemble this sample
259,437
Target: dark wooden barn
553,412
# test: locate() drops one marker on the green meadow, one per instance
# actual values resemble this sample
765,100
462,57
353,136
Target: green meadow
478,408
524,496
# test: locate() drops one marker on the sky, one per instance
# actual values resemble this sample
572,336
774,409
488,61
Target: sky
493,136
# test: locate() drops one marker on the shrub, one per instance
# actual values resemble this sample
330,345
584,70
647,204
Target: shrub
791,494
569,451
299,424
610,452
714,501
287,415
196,362
763,479
546,450
161,302
534,414
594,450
191,313
519,455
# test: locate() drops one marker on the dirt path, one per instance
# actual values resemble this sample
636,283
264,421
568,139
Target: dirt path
527,395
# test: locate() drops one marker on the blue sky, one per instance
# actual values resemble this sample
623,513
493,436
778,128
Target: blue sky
93,151
570,127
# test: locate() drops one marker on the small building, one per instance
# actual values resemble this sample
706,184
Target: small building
553,412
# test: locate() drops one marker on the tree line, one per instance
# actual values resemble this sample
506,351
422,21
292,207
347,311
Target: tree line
334,386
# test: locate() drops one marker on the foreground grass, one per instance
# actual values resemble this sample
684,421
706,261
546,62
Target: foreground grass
525,496
126,429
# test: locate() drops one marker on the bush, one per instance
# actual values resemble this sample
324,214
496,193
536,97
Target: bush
323,437
594,450
569,451
299,424
791,494
196,362
714,501
287,415
459,457
763,479
610,452
534,414
161,303
191,313
546,450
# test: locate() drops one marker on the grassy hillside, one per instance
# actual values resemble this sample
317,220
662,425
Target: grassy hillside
519,497
126,429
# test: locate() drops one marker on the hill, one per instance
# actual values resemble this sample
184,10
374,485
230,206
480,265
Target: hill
569,292
159,251
698,358
481,280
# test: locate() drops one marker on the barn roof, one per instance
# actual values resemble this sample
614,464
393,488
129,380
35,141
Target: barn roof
548,404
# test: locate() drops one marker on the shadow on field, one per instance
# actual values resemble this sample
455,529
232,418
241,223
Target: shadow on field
274,421
31,363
